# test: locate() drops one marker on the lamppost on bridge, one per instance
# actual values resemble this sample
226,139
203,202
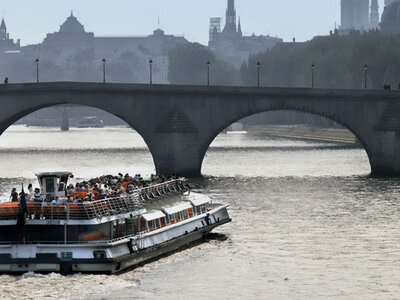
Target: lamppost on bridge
37,69
104,69
151,70
365,76
208,73
312,75
258,73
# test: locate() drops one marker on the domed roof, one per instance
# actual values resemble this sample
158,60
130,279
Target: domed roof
391,17
72,25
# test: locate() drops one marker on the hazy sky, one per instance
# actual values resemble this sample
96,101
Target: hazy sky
31,20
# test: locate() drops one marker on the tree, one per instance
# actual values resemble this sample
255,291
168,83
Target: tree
188,65
339,62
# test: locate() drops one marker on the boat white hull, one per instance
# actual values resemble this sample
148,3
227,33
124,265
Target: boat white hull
109,257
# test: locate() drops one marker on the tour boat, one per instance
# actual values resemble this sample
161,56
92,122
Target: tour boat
91,122
103,236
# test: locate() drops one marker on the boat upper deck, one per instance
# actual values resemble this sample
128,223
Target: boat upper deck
90,210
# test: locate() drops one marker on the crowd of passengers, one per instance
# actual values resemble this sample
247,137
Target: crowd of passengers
99,188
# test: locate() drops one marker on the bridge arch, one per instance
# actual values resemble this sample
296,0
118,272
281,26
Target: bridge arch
12,119
223,125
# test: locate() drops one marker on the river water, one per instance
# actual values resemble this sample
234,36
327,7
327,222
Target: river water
308,221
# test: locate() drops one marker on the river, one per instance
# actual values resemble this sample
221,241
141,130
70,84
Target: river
308,221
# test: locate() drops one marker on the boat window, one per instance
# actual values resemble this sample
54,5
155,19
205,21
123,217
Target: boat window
185,214
163,221
143,224
49,185
61,187
152,224
64,179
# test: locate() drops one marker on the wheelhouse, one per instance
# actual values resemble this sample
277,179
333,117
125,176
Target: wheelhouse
53,184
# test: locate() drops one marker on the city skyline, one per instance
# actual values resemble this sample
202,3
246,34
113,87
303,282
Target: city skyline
191,20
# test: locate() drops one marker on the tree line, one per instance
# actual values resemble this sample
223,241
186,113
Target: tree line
339,63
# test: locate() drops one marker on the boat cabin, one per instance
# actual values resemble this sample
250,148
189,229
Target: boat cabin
200,204
152,221
53,184
179,212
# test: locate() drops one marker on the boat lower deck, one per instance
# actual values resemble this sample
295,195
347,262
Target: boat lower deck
50,262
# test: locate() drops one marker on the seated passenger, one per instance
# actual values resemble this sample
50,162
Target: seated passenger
71,189
76,200
56,201
37,197
102,195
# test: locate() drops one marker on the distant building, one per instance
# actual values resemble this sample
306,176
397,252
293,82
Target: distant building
354,16
374,15
387,2
391,17
215,27
72,45
7,45
230,44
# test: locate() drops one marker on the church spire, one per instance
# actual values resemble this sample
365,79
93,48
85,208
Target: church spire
240,28
374,16
230,17
3,24
3,30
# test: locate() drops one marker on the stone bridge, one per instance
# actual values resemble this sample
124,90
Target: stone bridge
178,123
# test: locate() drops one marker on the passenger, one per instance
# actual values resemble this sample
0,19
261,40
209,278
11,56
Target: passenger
55,202
30,188
14,195
102,195
69,199
37,196
29,197
76,200
71,189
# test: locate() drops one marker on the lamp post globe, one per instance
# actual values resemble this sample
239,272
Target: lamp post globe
104,70
365,76
208,73
151,71
37,69
312,75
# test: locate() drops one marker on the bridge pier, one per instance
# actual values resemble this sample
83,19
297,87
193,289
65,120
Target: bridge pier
384,154
176,153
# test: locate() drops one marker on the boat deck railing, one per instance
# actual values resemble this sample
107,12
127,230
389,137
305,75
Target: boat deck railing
92,209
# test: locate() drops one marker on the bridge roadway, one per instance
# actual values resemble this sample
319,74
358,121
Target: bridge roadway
178,123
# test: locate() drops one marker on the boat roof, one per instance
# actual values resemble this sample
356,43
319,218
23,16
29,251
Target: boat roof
57,174
154,215
178,208
199,199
